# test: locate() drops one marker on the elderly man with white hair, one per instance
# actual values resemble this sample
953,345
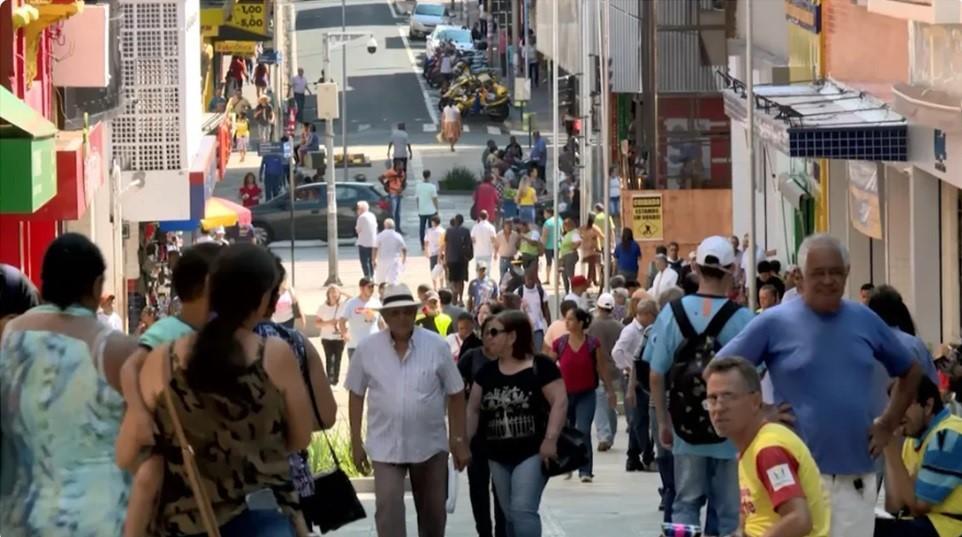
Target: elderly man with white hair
390,254
821,352
366,228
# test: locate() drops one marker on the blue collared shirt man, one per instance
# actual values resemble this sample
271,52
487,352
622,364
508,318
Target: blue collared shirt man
821,352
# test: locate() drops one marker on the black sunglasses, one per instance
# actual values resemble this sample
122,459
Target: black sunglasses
493,332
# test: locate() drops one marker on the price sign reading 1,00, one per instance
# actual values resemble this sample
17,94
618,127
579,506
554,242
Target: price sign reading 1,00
249,15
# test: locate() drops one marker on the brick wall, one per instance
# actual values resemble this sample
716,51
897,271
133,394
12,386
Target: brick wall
863,49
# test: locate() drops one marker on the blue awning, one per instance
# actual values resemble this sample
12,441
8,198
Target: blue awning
178,225
821,120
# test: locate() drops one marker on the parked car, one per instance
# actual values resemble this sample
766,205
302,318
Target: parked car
271,220
425,18
459,36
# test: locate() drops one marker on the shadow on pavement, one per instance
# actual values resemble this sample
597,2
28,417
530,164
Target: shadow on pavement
377,14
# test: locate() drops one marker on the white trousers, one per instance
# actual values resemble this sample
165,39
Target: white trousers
853,508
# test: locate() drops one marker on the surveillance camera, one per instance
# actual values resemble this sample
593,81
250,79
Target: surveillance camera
372,46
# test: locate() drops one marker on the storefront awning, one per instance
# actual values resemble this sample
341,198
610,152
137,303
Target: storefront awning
29,176
821,120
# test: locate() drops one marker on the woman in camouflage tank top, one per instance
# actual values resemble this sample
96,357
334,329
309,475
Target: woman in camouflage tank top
243,406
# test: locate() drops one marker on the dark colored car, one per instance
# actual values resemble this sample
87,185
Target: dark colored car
271,220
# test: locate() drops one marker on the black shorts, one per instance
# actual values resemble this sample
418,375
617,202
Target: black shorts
457,272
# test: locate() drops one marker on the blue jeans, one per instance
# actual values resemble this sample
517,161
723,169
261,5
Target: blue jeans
606,419
425,222
666,465
581,411
299,99
503,265
700,480
396,211
367,260
526,213
518,489
259,523
614,206
538,340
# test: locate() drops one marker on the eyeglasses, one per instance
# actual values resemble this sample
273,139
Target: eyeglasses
493,332
715,400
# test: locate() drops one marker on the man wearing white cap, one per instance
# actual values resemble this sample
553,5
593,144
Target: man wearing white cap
684,337
408,376
607,330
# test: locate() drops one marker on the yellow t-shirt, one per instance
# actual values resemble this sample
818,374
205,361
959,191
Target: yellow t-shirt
241,128
527,196
946,526
777,467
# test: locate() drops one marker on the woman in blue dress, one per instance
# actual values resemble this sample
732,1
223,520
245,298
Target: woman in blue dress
60,405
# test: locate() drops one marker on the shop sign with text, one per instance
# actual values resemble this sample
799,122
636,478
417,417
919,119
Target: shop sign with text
805,14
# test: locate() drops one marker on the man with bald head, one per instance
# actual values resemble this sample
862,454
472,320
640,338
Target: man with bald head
820,352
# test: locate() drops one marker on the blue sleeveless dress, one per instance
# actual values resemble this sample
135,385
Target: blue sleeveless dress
59,419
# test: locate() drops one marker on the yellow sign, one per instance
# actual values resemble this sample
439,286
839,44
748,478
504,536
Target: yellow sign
250,15
647,217
236,48
210,20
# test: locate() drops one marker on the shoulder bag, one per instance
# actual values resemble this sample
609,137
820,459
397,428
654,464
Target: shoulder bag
207,517
573,447
334,503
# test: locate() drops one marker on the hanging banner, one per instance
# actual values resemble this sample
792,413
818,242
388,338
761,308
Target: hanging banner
864,207
647,217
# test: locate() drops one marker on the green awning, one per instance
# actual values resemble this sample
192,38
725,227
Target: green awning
28,156
22,120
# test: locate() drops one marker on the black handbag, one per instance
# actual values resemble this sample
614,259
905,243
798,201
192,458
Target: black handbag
334,502
573,447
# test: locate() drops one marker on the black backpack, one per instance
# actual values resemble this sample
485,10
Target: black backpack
686,387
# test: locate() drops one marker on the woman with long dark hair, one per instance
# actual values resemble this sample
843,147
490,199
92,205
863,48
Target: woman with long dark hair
628,255
887,303
62,406
518,404
242,403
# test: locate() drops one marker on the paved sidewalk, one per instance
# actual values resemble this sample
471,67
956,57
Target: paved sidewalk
616,504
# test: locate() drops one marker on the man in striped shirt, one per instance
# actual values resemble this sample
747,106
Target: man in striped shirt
923,474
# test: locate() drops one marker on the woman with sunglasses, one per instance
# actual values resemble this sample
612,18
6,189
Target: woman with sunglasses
518,404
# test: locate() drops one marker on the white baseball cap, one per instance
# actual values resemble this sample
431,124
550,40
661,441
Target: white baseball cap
605,301
715,251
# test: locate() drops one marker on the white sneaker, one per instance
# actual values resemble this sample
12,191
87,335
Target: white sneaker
586,479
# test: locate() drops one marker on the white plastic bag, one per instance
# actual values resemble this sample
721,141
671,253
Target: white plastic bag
437,271
452,486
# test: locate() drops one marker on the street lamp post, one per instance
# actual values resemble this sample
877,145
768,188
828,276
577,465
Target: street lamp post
345,37
555,128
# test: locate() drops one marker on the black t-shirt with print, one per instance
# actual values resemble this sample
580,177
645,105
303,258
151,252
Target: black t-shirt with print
514,411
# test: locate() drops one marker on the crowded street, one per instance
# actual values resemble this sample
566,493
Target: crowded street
493,268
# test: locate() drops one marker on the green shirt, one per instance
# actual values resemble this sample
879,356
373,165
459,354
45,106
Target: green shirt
168,329
600,222
550,230
567,242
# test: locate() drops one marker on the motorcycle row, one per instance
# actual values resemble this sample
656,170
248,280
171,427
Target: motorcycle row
473,86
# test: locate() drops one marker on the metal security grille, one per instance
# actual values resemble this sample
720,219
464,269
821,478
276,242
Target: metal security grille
147,136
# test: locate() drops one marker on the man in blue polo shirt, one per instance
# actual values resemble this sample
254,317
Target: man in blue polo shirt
821,352
707,472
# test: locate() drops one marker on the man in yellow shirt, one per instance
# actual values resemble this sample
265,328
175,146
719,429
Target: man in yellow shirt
781,487
923,474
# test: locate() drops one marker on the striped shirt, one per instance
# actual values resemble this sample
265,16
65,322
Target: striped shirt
407,396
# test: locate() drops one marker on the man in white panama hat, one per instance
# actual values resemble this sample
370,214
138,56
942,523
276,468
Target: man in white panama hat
408,376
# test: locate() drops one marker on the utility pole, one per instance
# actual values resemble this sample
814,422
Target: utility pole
604,54
654,155
515,44
555,175
344,91
750,83
332,273
585,113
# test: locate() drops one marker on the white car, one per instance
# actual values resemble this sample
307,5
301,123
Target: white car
425,18
460,37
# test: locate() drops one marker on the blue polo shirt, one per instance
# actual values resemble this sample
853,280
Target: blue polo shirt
663,341
628,257
823,366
